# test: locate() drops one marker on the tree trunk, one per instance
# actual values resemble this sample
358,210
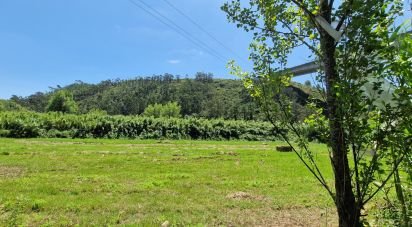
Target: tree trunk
348,210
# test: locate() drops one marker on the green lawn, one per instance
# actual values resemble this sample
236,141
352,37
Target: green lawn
133,182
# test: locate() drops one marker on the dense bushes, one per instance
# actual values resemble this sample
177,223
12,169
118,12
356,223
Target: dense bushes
95,125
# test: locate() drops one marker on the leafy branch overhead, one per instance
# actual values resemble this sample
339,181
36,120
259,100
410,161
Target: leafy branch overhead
365,77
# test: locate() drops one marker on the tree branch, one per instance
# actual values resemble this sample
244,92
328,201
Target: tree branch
315,172
279,32
331,4
304,146
300,38
345,15
311,16
301,5
396,166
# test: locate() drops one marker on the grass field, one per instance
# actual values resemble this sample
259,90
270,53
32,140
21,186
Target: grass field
130,182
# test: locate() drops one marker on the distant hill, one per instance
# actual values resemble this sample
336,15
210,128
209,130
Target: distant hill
201,96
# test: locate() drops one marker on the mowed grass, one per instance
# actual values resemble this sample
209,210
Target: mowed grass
146,183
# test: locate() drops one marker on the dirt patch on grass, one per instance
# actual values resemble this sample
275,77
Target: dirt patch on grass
178,159
205,157
305,216
270,215
229,153
244,196
11,171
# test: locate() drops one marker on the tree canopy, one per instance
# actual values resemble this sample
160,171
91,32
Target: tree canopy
168,110
353,42
201,96
62,101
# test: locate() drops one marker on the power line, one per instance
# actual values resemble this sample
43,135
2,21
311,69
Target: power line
184,31
202,29
169,23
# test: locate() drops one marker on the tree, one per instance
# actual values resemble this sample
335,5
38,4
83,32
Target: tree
400,211
9,105
154,110
354,54
171,110
168,110
62,101
36,102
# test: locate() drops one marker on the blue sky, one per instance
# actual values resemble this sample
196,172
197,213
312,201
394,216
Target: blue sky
54,42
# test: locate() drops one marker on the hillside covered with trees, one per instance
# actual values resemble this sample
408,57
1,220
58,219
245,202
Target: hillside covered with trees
201,96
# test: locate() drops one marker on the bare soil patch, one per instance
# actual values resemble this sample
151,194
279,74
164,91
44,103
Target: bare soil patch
288,217
229,153
11,171
244,195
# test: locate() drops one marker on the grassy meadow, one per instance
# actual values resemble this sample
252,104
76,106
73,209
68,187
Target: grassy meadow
65,182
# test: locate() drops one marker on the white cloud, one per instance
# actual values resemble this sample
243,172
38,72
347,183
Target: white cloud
174,61
145,32
193,52
188,52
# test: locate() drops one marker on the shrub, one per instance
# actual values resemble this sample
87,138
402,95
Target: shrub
59,125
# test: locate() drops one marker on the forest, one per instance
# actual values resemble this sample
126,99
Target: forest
199,96
156,107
